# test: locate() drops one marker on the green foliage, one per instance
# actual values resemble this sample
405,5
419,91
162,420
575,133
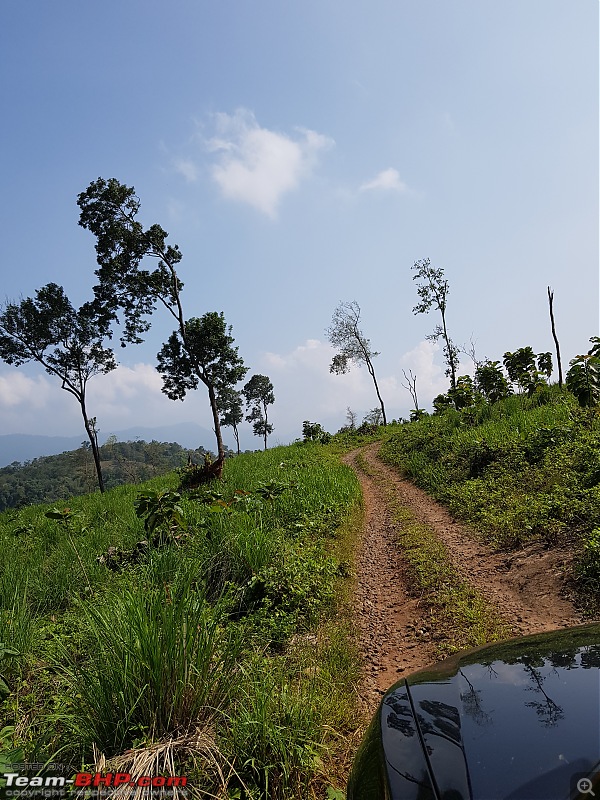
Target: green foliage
583,377
491,382
160,509
204,353
182,638
588,566
108,210
314,432
169,666
50,478
5,652
463,395
522,370
516,470
68,343
199,349
9,755
259,395
230,404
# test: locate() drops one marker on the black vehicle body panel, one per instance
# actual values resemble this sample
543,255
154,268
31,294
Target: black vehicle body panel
516,720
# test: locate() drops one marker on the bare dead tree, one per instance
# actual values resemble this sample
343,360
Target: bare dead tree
469,350
411,386
558,361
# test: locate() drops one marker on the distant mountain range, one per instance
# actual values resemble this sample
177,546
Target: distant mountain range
25,446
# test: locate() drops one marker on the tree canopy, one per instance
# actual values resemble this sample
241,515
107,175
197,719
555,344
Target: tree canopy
259,394
200,349
433,292
346,336
67,342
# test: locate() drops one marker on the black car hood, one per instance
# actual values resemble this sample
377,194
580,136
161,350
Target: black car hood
515,721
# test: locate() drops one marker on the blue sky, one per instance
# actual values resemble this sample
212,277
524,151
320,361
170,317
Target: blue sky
304,154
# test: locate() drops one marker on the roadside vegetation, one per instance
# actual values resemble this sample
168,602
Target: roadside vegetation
193,631
519,470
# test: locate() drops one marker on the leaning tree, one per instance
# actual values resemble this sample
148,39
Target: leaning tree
129,293
67,342
433,290
206,354
346,336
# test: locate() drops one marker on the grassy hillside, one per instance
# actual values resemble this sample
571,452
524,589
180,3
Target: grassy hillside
194,632
517,470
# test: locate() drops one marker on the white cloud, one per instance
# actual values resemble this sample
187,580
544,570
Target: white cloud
123,398
386,180
17,389
187,168
259,166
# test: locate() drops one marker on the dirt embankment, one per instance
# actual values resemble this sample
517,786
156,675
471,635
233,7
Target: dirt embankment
526,587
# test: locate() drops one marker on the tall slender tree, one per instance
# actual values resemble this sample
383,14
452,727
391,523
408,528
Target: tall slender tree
128,293
554,336
345,335
231,408
433,291
69,343
206,355
259,395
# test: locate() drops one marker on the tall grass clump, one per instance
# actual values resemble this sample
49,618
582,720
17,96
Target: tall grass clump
159,663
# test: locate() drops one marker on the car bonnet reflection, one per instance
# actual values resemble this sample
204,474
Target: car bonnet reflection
516,728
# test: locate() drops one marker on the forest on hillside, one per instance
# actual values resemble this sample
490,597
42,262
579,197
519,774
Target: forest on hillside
49,478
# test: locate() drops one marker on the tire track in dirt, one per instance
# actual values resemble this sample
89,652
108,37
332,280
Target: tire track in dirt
525,586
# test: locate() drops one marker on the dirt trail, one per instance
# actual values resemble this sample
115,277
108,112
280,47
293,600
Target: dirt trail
525,586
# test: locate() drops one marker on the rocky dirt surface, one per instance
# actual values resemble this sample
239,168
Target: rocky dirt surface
526,586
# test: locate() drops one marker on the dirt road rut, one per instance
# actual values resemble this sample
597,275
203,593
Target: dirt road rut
525,586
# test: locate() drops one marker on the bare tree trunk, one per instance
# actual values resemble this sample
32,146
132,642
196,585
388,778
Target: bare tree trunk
266,424
450,350
558,361
411,386
372,373
217,424
92,436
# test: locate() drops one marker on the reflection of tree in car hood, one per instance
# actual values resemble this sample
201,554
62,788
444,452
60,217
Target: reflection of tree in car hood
514,721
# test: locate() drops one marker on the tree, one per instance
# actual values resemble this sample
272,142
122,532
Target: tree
229,402
259,394
433,292
205,354
491,382
411,386
583,377
351,418
345,335
68,343
554,336
314,432
523,370
109,210
462,396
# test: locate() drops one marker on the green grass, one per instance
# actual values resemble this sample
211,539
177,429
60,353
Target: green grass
223,635
517,471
